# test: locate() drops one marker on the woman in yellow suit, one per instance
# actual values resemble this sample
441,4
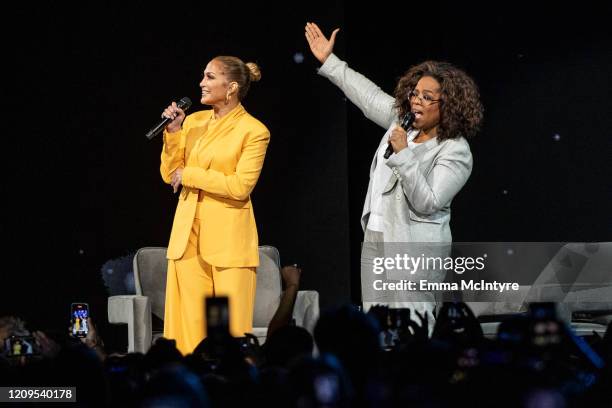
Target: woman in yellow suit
217,156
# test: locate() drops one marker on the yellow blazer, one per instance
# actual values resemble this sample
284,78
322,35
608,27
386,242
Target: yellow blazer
222,160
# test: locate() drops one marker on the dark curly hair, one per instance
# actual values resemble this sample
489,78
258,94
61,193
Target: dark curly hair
460,107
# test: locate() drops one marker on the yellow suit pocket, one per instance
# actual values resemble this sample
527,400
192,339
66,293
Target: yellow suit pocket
239,205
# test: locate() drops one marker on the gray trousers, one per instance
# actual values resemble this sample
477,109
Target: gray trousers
423,302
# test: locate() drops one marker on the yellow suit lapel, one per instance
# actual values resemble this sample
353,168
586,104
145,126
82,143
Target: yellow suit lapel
206,146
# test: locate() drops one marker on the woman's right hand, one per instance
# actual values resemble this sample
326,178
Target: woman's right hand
320,46
176,114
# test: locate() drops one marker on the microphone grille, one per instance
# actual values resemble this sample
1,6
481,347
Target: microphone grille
184,103
407,120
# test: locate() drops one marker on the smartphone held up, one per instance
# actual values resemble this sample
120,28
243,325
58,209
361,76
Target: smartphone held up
79,313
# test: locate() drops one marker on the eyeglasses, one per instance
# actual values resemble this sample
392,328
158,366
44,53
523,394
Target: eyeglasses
425,99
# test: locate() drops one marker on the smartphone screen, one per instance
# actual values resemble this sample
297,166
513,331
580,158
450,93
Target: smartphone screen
17,346
217,314
79,313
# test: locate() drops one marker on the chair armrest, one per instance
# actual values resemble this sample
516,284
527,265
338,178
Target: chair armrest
261,333
306,309
134,310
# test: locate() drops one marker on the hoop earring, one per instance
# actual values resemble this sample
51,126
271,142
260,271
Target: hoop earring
227,98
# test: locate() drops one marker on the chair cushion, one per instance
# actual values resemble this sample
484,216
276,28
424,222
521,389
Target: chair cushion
267,295
306,309
150,270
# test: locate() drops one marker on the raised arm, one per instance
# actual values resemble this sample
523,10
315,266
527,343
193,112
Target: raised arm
284,312
375,104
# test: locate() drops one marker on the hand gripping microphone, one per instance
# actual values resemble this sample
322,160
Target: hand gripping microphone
184,104
404,124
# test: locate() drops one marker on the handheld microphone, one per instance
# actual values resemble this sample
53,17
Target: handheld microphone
405,124
184,104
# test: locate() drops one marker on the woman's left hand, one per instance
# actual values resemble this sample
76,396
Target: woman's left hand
177,179
398,139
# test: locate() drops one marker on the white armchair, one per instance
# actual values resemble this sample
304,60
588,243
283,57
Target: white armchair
268,294
150,268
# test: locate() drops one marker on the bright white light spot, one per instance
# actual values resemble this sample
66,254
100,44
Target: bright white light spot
298,57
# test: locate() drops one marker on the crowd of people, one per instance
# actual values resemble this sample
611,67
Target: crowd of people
383,358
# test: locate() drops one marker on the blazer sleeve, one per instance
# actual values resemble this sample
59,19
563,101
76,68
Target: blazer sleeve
173,152
450,171
236,186
375,104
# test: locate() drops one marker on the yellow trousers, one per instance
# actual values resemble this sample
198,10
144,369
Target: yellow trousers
190,280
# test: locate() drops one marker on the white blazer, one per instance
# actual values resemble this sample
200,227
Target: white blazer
417,197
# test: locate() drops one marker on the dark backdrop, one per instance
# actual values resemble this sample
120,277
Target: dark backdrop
82,184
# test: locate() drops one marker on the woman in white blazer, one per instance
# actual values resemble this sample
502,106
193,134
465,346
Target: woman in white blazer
410,193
